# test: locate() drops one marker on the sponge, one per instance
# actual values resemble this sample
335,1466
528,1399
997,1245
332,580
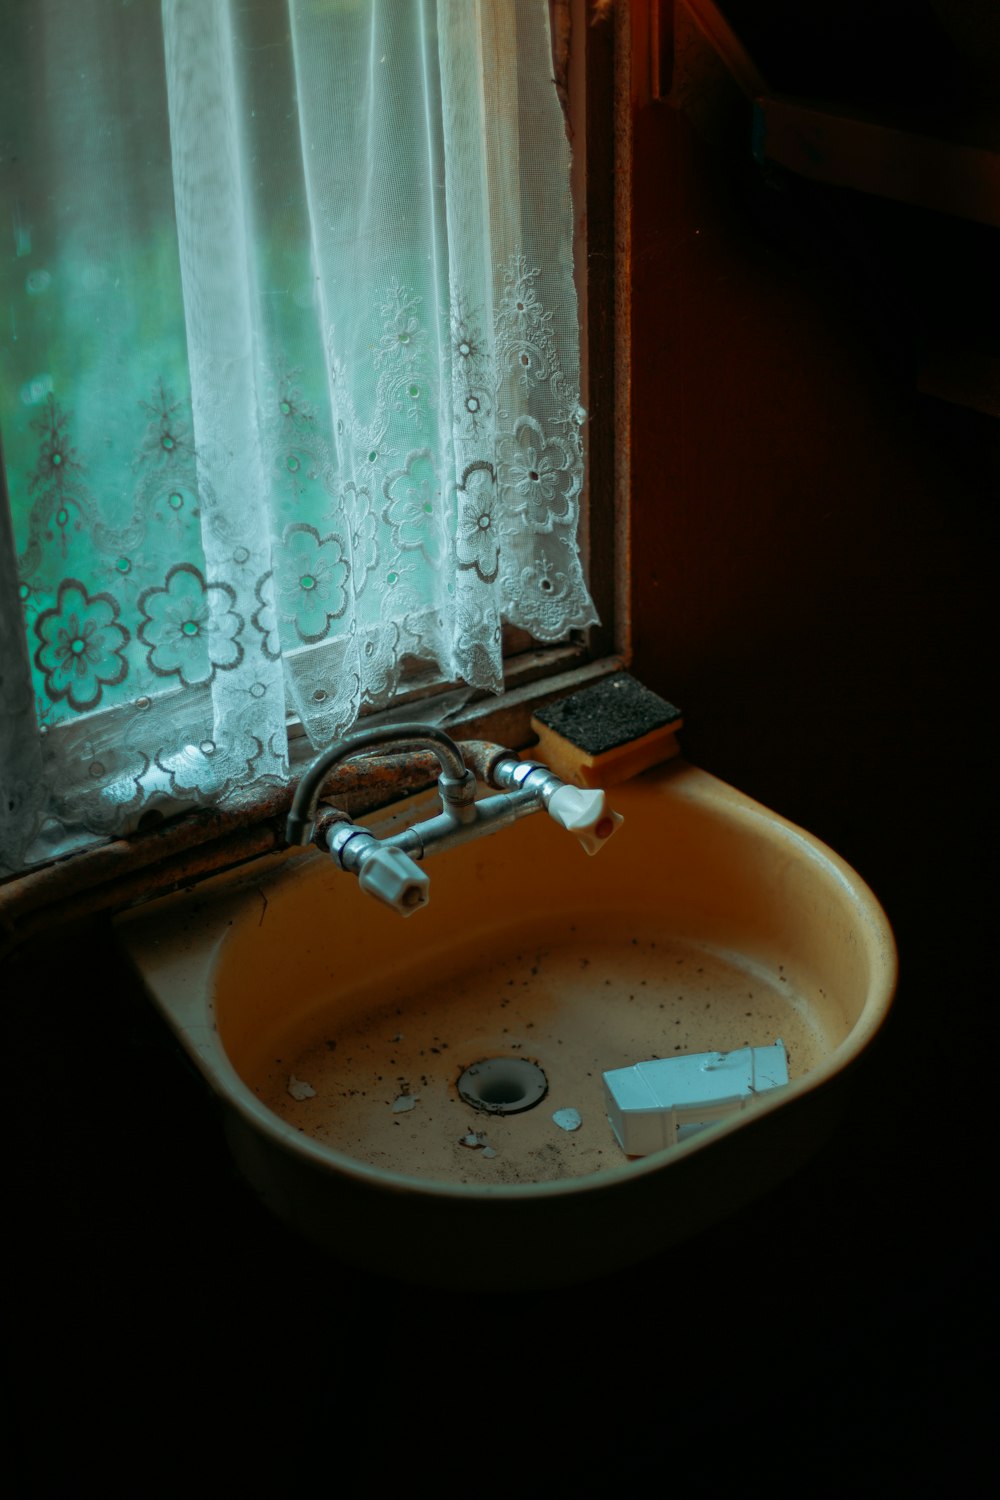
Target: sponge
606,732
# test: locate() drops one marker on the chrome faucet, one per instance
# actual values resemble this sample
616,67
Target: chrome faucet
387,867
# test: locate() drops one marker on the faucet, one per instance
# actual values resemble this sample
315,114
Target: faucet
387,868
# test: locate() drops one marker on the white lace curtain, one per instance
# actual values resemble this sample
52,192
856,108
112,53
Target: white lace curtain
289,375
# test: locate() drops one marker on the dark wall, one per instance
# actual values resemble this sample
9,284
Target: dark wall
810,543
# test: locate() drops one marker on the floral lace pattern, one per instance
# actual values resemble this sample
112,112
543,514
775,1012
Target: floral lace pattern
188,637
280,475
93,647
80,651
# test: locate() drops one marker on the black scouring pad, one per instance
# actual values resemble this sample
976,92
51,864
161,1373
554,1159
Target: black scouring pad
606,732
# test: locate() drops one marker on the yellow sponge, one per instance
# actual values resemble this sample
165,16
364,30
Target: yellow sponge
606,732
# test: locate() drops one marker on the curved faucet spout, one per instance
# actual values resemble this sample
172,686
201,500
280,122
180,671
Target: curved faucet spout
457,785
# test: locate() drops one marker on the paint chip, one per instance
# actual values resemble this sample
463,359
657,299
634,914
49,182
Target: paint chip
299,1089
403,1103
568,1119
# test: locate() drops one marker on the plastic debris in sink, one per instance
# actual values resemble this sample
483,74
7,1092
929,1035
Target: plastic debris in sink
661,1102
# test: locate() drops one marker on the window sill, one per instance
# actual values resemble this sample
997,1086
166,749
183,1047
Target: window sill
125,872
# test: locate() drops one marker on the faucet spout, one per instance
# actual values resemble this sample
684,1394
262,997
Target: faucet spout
457,784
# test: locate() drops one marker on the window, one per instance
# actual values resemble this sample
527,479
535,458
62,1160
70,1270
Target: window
289,383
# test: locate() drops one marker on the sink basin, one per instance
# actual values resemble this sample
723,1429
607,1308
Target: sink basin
336,1033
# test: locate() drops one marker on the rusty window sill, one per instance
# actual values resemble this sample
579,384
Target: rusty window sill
183,851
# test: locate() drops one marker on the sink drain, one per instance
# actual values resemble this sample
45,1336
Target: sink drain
503,1085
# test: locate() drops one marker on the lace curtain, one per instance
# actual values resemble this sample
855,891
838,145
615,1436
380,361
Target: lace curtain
289,375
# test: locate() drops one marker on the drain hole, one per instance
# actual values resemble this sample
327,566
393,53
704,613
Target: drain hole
502,1091
503,1085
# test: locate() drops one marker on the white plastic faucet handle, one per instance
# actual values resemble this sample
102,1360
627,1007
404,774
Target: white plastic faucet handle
586,814
393,877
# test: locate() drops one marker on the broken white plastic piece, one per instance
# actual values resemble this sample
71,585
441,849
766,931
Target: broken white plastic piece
299,1089
661,1102
586,814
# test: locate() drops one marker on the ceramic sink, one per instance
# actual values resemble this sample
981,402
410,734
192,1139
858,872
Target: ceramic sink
335,1033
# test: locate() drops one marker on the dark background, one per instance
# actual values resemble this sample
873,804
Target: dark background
811,561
